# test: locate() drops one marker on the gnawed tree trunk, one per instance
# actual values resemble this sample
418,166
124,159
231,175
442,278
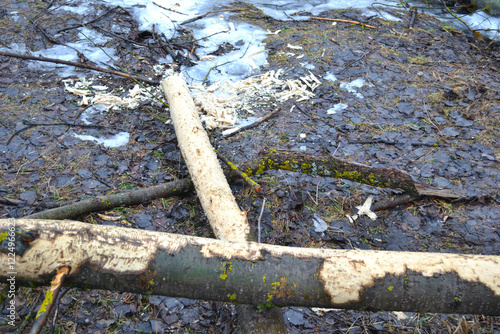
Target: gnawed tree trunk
122,259
226,219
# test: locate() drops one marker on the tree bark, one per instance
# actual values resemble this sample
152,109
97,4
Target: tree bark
108,202
326,165
138,261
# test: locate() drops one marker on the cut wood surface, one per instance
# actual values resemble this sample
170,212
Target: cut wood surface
139,261
228,222
226,219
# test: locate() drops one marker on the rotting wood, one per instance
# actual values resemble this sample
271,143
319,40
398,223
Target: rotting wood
257,166
139,261
325,165
228,222
81,65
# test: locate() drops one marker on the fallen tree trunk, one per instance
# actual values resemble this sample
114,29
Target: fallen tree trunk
108,202
122,259
275,159
326,165
225,217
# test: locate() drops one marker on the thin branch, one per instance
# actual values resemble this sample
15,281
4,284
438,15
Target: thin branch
49,301
79,25
72,63
260,217
233,131
207,13
387,142
340,20
32,125
244,176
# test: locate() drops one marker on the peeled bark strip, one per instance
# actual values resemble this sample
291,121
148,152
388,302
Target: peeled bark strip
226,219
138,261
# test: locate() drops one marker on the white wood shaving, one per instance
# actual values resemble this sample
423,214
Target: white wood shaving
218,103
94,94
294,47
269,32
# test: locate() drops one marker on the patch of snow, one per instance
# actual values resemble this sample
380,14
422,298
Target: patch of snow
351,86
330,77
77,9
308,66
320,224
91,111
336,108
285,10
487,25
117,140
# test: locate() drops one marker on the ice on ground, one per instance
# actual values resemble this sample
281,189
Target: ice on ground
320,225
92,110
336,108
284,9
117,140
351,86
487,25
240,63
330,77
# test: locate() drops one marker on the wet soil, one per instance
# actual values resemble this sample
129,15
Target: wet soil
430,105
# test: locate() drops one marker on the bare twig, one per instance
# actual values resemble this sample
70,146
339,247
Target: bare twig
245,177
260,217
79,25
72,63
232,132
340,20
388,142
196,18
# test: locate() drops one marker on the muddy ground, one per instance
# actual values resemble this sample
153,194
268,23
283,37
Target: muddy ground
430,106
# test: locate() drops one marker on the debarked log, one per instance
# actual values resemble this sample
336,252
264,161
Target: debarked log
133,260
225,217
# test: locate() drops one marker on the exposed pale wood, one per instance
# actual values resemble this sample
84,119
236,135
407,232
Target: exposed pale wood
139,261
226,219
